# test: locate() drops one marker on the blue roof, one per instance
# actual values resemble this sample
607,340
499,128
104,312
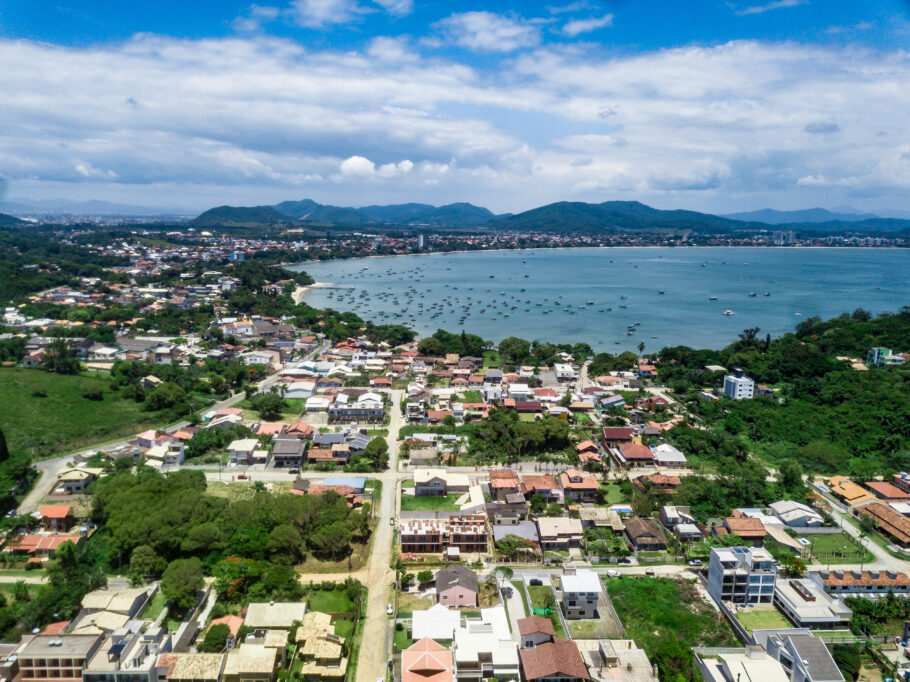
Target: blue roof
357,483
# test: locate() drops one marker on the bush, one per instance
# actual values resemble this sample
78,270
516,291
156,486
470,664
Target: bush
92,392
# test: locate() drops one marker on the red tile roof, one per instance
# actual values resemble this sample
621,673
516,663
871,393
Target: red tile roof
426,661
881,489
55,511
559,658
535,624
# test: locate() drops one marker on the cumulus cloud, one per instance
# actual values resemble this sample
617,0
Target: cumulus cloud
265,119
321,13
255,18
576,27
398,8
488,31
767,7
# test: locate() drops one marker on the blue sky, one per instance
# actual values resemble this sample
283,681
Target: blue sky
712,104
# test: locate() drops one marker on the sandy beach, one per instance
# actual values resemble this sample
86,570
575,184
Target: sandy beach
300,292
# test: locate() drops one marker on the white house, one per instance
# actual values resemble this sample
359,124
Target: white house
738,386
564,372
241,451
580,592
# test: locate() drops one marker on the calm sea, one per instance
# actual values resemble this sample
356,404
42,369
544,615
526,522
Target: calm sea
615,299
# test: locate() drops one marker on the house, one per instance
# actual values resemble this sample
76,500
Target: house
450,533
273,615
564,372
579,486
665,455
752,531
288,452
319,648
437,622
192,667
439,482
57,518
486,649
742,575
600,517
127,601
559,532
535,630
426,661
56,658
659,482
796,514
887,491
867,584
250,663
41,545
803,656
456,585
75,481
805,603
847,491
241,451
633,455
581,589
556,661
888,522
504,482
753,664
644,534
541,484
616,435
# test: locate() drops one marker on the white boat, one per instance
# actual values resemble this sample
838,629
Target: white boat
729,312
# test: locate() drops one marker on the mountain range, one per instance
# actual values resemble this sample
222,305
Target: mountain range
563,217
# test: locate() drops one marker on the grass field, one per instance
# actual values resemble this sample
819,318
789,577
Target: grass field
155,607
667,618
334,601
62,420
471,396
837,549
240,490
429,502
613,494
764,619
538,594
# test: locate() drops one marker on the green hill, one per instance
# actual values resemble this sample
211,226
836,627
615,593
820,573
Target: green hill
309,211
10,221
240,216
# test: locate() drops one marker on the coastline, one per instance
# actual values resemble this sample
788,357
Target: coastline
302,291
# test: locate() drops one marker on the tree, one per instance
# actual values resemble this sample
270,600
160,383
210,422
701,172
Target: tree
377,451
215,639
269,405
425,576
285,542
641,347
144,561
538,503
164,396
430,347
791,476
449,422
60,357
182,580
4,451
513,350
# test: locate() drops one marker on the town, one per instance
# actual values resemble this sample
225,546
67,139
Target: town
258,490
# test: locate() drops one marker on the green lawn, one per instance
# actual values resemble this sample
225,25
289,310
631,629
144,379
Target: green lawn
613,494
401,639
429,502
471,396
837,549
491,359
765,619
666,618
62,420
538,595
344,628
155,607
334,601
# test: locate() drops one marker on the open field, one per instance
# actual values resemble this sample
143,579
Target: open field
329,601
667,617
762,619
429,502
240,490
45,413
837,549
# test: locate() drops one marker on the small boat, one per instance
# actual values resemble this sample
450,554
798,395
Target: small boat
491,276
712,298
660,291
729,312
752,294
767,293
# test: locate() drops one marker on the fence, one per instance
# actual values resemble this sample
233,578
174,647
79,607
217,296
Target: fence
819,530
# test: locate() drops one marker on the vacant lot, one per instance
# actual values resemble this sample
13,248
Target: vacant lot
540,596
837,549
429,502
329,601
764,619
667,617
45,413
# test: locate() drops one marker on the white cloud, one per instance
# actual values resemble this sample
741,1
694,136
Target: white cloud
767,7
259,119
321,13
488,31
397,8
255,17
576,27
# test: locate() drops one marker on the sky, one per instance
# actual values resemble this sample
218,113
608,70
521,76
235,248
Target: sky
713,105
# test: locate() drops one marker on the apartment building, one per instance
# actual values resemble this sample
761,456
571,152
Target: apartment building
742,575
56,658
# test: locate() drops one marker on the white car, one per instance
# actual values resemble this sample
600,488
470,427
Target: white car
388,609
612,574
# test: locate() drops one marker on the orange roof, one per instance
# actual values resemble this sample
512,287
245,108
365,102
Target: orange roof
586,457
745,527
426,661
233,623
887,490
55,628
848,491
585,445
31,544
55,511
587,481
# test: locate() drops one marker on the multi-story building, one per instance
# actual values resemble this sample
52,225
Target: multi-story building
868,584
57,658
808,605
803,655
884,357
741,575
738,386
580,593
128,655
453,534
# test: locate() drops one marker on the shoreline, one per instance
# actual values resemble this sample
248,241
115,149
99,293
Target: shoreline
590,248
302,291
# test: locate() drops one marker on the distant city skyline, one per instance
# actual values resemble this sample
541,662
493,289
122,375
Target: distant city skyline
719,107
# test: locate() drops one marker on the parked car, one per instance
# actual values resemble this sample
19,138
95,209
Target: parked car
293,471
695,562
242,477
388,609
535,581
507,592
392,521
612,574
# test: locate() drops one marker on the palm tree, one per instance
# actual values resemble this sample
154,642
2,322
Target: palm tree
641,348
